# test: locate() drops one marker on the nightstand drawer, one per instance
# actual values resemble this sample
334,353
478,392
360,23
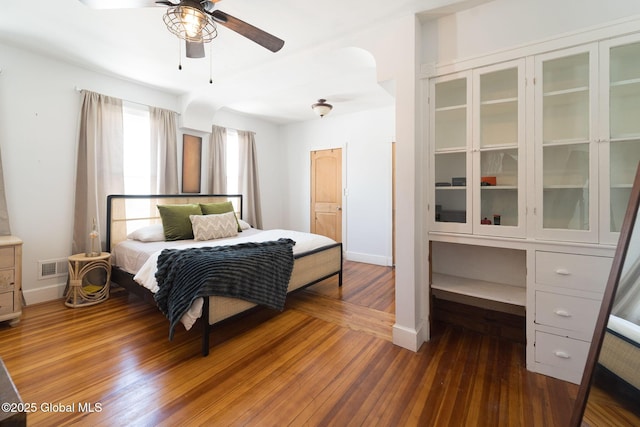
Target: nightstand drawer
6,302
7,280
567,312
561,352
7,257
583,272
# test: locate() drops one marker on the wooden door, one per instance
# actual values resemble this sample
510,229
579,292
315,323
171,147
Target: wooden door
326,193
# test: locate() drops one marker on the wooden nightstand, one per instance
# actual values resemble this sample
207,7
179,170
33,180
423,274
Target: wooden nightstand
89,279
10,279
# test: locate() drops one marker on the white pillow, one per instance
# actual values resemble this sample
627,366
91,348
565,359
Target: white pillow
244,225
214,226
150,233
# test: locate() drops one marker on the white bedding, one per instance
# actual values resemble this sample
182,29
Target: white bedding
140,258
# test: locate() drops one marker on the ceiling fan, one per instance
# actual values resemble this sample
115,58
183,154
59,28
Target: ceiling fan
195,22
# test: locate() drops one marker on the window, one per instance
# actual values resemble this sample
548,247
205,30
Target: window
137,149
136,161
233,162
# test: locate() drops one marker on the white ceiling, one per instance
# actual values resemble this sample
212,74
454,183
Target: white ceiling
280,87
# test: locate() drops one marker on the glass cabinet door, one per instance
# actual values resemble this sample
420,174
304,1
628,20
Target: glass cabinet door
620,144
498,135
565,150
450,202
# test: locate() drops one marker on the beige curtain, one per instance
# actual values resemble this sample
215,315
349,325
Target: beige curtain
164,151
248,179
5,227
99,170
218,161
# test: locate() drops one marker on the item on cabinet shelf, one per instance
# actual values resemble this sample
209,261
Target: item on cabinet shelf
443,184
488,181
459,181
496,219
93,242
438,212
485,221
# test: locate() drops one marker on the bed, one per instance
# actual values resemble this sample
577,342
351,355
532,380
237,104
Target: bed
133,222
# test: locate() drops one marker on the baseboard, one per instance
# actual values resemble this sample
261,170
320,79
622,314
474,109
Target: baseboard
44,294
408,338
368,258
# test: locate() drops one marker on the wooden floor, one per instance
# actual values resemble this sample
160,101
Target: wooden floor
326,360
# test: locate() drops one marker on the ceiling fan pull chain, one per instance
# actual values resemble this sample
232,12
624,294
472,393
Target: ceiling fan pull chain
210,63
179,55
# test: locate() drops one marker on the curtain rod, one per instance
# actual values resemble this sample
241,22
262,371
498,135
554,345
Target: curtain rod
234,129
79,89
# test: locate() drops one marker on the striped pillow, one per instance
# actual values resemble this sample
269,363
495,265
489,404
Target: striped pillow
214,226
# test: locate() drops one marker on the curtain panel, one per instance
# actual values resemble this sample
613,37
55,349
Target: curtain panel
5,226
248,179
164,149
218,160
99,170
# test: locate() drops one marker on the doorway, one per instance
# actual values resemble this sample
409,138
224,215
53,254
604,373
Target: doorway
326,193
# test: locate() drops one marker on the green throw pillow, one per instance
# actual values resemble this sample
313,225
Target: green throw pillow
175,220
218,208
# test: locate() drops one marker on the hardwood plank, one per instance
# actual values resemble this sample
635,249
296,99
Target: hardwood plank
327,359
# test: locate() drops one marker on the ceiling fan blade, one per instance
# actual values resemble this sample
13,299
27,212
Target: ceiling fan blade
255,34
194,49
119,4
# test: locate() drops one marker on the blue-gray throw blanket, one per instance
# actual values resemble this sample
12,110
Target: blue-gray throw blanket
255,272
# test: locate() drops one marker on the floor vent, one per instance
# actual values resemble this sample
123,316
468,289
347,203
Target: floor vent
52,268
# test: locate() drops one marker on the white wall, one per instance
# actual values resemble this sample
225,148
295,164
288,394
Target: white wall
39,110
506,24
271,174
365,139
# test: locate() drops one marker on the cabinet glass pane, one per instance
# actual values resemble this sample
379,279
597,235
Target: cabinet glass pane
451,114
499,187
566,187
451,190
499,108
566,99
624,157
624,123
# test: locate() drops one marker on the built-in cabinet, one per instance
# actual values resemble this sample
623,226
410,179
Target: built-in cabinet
535,157
477,134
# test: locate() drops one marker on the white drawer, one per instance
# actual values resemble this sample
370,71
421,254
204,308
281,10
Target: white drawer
6,303
565,353
567,312
583,272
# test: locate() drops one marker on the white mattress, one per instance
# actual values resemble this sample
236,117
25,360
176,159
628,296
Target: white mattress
140,258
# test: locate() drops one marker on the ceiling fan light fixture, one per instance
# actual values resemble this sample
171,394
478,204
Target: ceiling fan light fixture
321,107
190,23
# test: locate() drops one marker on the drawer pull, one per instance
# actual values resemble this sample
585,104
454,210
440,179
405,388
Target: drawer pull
562,354
562,313
563,272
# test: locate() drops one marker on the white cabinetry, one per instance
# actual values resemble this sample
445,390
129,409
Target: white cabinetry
620,131
554,135
565,294
477,134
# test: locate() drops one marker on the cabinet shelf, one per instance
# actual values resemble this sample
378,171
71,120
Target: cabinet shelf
451,108
565,187
498,187
508,294
625,82
499,101
563,92
452,187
